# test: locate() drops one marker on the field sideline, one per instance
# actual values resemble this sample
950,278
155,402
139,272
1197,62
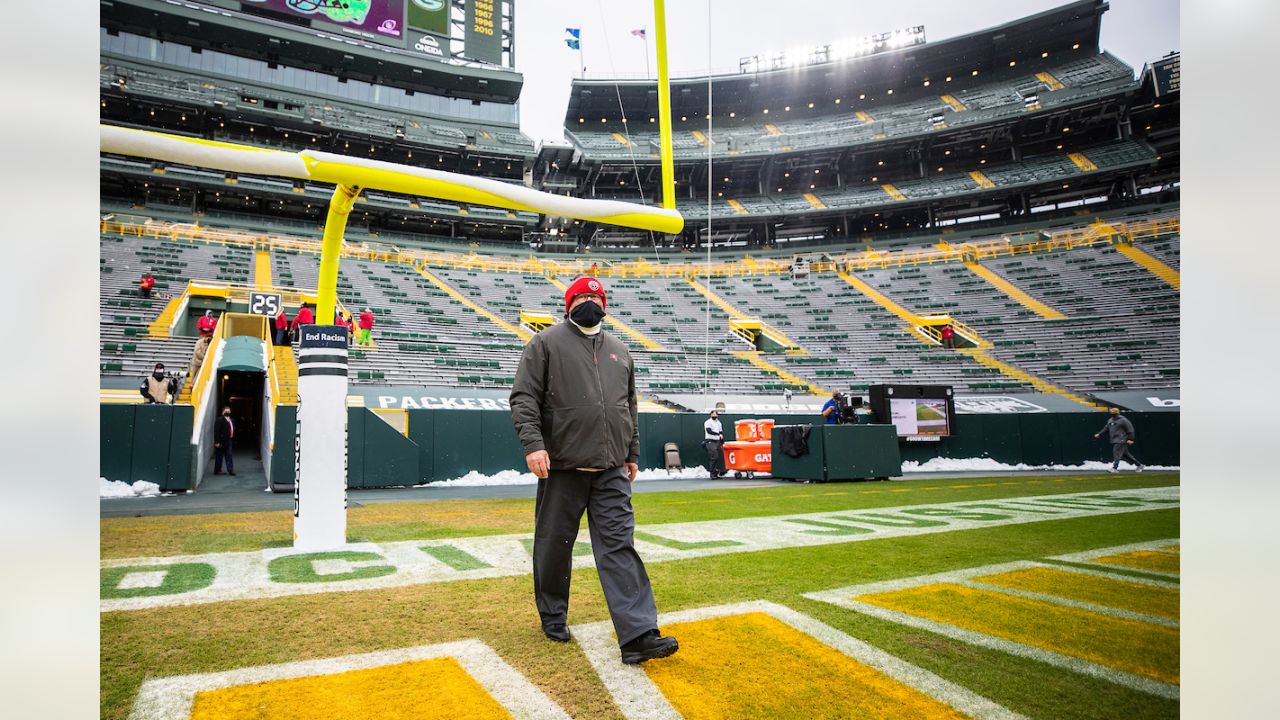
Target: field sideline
1114,644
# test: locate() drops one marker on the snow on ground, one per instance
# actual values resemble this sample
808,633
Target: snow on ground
116,489
515,477
987,464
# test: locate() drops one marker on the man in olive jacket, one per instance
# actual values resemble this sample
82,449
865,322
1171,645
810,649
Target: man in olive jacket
574,409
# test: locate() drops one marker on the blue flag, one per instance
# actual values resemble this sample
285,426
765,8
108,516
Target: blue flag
575,32
572,43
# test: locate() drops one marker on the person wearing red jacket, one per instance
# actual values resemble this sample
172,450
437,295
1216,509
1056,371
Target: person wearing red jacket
366,327
205,327
207,324
948,336
145,285
343,320
305,316
282,328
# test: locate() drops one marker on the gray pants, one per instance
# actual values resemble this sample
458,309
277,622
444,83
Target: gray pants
1118,453
713,456
606,498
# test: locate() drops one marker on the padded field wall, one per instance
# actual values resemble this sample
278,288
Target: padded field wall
141,442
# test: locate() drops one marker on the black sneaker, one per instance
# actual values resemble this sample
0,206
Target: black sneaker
558,632
649,646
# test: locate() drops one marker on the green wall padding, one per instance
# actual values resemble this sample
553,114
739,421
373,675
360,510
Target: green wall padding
115,450
282,460
389,457
355,446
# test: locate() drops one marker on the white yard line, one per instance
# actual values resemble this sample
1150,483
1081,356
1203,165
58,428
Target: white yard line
246,575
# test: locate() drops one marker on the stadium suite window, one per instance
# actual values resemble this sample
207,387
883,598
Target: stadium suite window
181,57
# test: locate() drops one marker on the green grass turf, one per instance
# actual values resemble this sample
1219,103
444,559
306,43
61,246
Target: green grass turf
440,519
220,636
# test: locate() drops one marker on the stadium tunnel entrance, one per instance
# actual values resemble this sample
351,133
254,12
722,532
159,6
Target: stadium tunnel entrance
242,387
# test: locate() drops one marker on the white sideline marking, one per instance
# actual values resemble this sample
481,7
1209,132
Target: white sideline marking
843,597
244,575
640,699
149,579
172,698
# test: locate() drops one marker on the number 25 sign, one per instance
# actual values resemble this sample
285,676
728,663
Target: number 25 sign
261,303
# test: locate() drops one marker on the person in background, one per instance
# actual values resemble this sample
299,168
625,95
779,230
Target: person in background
786,396
207,324
282,328
224,433
205,327
366,326
159,388
146,284
712,439
574,408
350,324
1121,433
305,316
948,336
831,411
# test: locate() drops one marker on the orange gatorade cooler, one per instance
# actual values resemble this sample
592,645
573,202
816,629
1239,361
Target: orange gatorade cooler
765,429
746,431
748,457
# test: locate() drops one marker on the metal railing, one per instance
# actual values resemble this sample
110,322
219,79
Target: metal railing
1096,234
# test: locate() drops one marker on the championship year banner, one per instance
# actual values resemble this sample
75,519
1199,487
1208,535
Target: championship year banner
484,31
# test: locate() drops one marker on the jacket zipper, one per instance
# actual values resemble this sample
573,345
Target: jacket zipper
595,360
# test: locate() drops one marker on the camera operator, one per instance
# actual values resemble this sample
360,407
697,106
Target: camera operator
159,387
831,411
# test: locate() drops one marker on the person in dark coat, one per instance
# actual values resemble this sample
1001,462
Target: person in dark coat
574,408
224,433
1120,431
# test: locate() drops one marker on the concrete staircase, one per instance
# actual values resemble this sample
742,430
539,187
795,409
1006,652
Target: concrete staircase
285,366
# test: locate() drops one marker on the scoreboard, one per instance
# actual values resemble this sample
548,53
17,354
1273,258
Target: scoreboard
1166,75
440,29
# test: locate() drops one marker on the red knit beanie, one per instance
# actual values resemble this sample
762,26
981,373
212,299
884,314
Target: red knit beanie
582,286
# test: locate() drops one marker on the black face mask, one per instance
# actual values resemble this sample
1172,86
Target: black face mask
158,374
588,314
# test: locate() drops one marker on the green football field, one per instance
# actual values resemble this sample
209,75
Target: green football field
1025,596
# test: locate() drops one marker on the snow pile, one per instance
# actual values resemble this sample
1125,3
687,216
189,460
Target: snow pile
116,489
989,465
515,477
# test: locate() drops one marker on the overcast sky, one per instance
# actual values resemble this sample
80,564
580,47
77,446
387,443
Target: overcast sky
1136,31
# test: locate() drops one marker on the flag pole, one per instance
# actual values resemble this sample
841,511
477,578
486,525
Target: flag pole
647,73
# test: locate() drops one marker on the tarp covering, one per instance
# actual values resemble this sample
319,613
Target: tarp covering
242,354
1165,400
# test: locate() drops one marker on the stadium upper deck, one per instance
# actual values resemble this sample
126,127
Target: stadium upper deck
999,123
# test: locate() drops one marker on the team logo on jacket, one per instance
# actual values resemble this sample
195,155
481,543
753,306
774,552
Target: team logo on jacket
613,357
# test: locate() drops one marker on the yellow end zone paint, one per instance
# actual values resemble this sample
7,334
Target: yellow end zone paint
1143,560
1140,648
1083,587
713,677
437,688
